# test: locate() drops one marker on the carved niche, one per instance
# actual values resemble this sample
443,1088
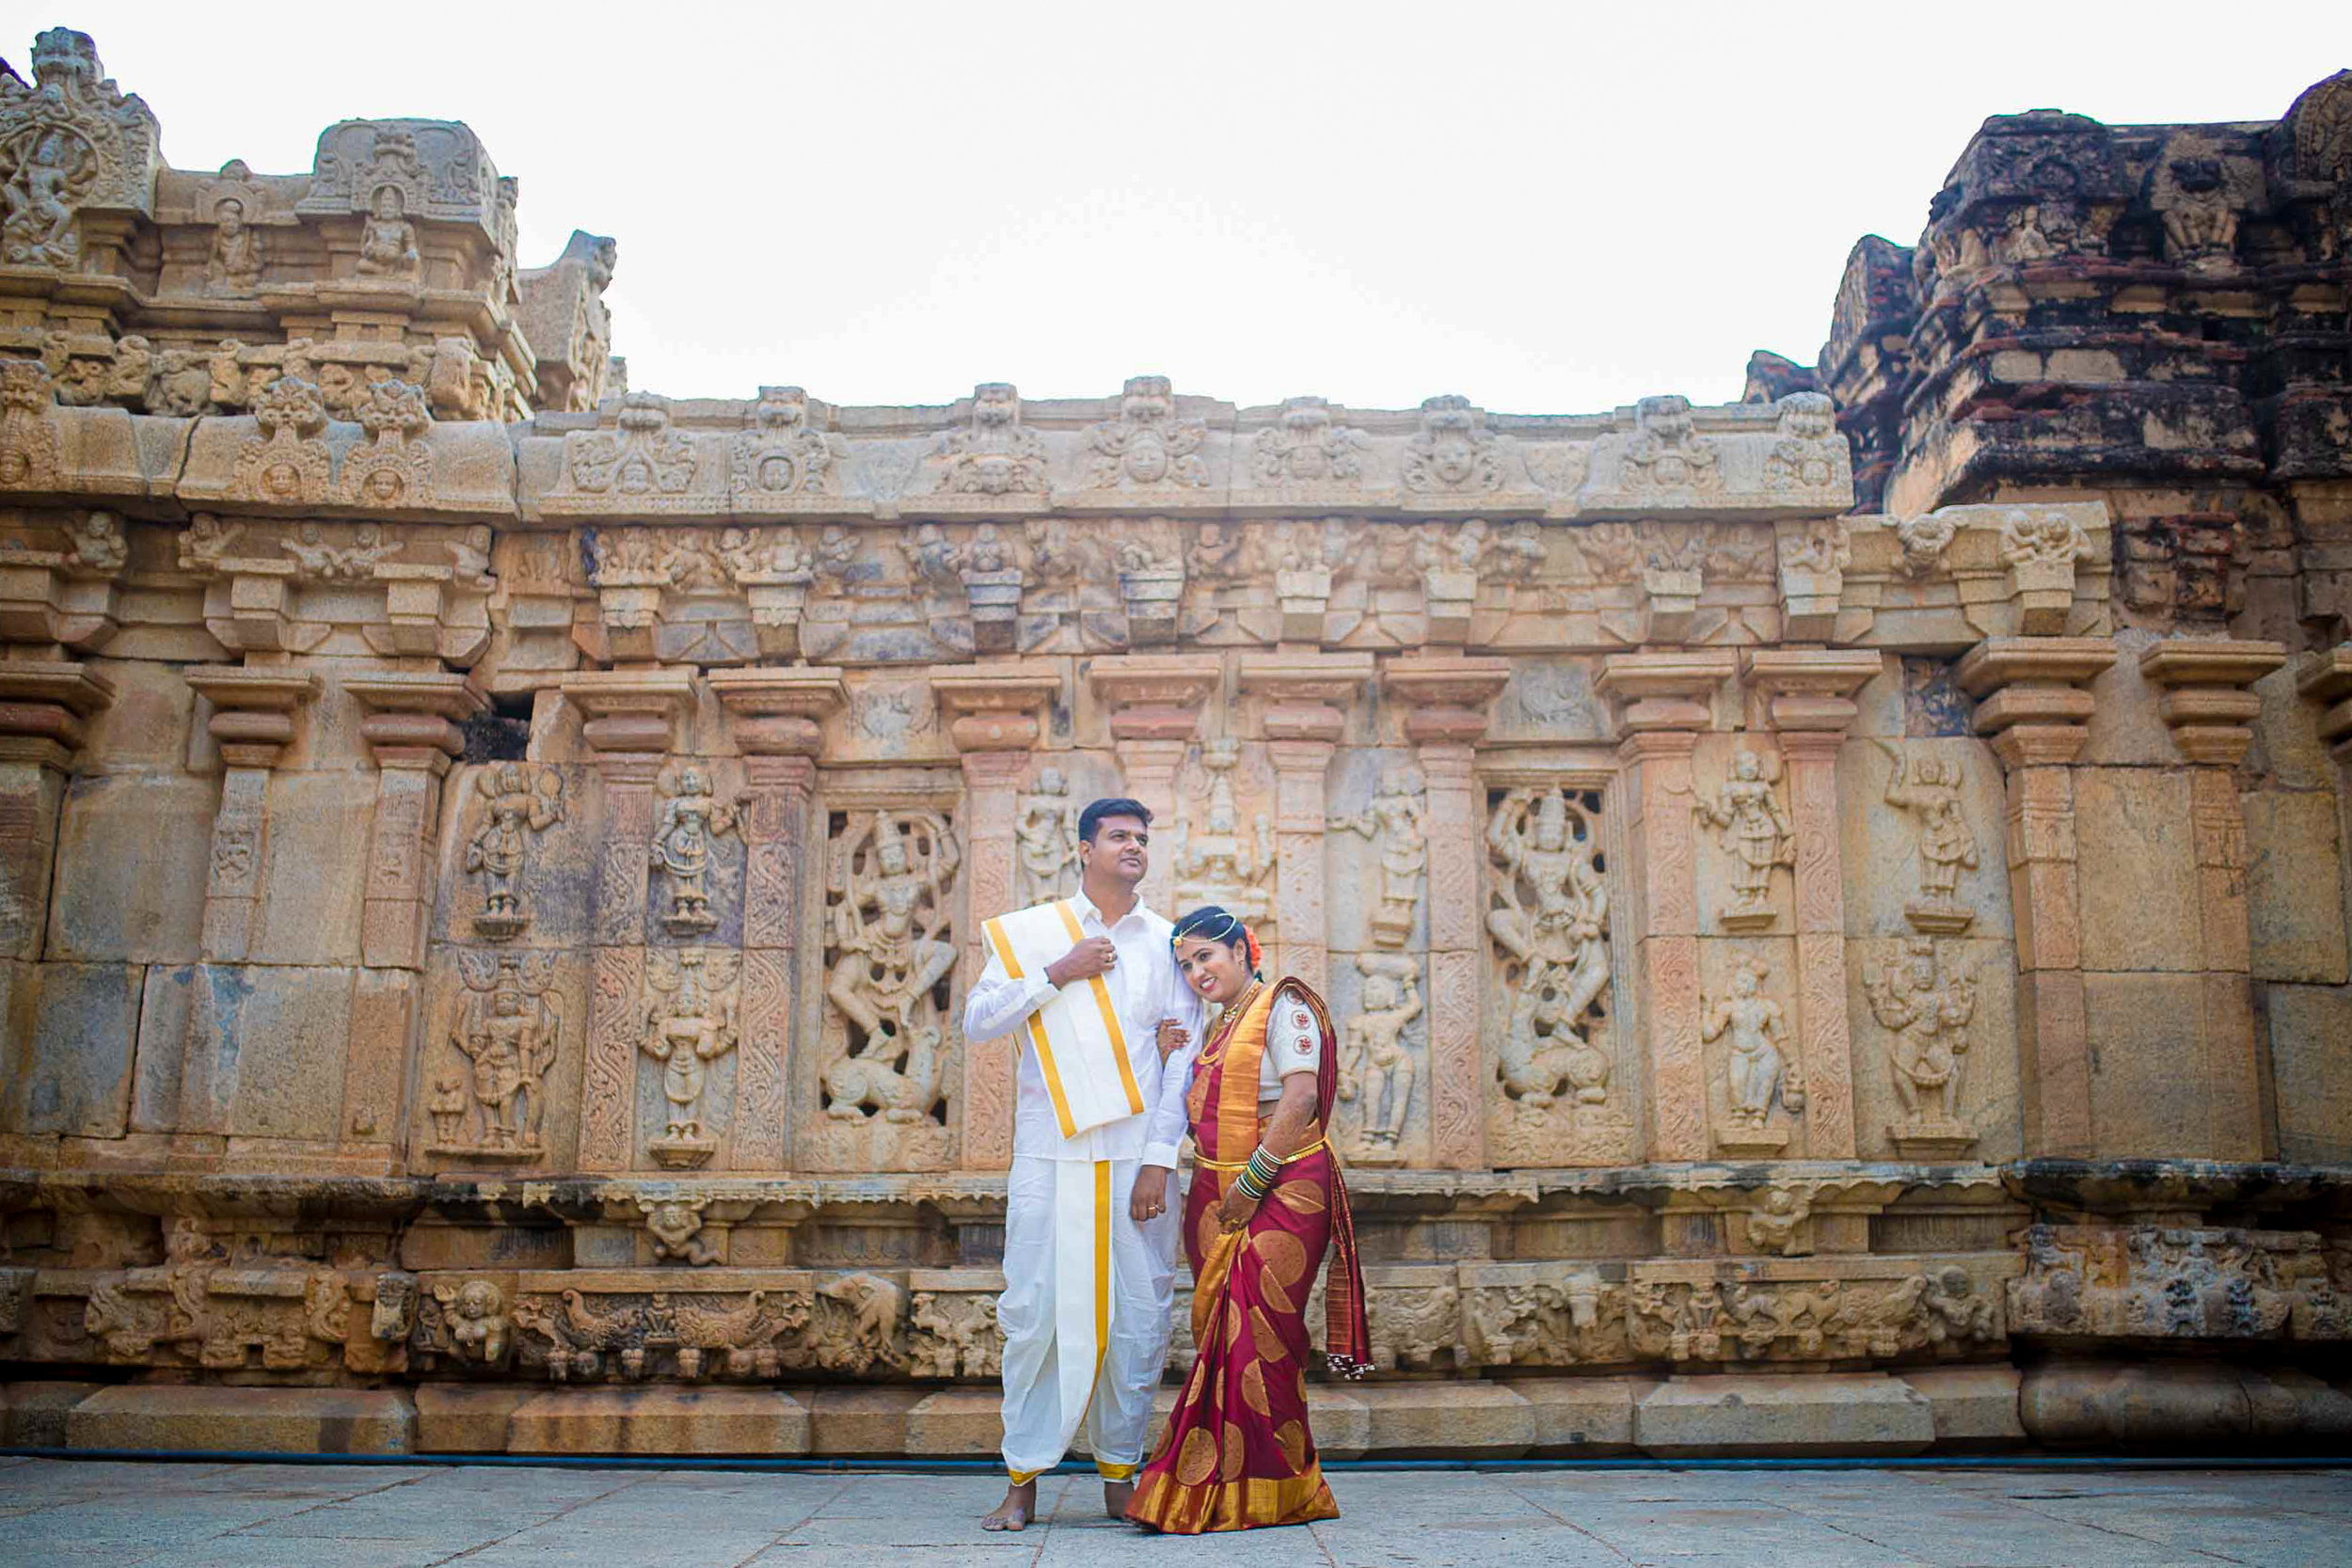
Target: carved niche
1927,789
1214,859
1756,833
522,800
1392,824
1551,1010
1758,1072
884,1047
70,142
690,821
690,1026
1925,1008
488,1102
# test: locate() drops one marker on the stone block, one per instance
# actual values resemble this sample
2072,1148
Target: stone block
455,1418
213,1419
660,1420
957,1422
1756,1415
1584,1417
860,1421
2311,1069
33,1415
2149,1096
262,1049
2295,887
2155,1404
1975,1408
134,850
1880,845
1467,1420
2141,893
320,830
70,1072
2126,729
1340,1421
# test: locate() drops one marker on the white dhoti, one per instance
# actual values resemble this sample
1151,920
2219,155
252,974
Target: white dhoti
1086,1314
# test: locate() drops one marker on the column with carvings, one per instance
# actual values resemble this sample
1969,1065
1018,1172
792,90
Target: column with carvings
1667,703
774,716
631,720
995,726
2032,703
1808,695
411,729
42,707
252,720
1155,702
2210,710
1307,696
1446,701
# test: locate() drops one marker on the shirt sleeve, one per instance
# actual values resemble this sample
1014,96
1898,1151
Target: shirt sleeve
1292,1043
1165,1130
997,1003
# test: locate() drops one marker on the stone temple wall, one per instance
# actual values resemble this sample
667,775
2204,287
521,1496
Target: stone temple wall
1836,903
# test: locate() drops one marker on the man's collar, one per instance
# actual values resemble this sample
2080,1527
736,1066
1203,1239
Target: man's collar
1087,911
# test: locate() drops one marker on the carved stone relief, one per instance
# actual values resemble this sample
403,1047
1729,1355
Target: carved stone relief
1927,789
1393,825
1925,1008
2151,1282
690,1026
1216,860
1756,833
522,800
489,1095
1045,841
1382,1047
1147,447
1759,1073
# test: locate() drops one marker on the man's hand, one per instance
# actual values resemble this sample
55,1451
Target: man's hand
1083,962
1174,1038
1151,1194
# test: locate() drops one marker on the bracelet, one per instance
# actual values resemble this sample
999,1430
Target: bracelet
1251,1183
1266,1167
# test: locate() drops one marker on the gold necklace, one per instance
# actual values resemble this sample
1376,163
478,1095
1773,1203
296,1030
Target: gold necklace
1229,1018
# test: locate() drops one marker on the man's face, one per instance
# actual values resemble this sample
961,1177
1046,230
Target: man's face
1121,845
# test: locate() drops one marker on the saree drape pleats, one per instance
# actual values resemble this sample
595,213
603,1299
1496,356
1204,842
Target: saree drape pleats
1238,1453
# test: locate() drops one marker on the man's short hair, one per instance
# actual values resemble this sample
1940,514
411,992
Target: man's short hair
1091,818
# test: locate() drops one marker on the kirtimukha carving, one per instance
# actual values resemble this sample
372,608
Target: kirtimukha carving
1216,863
1147,447
1454,453
1392,822
781,456
1306,449
1376,1067
1757,833
1666,452
1758,1071
287,463
643,457
890,906
1928,787
526,799
995,456
1923,541
691,818
1926,1013
394,468
1805,455
509,1036
690,1023
1045,841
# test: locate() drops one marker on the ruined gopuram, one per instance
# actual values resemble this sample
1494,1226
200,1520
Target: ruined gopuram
1835,904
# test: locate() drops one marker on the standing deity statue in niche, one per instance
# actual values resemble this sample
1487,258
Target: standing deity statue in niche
235,266
388,241
889,891
1929,788
526,799
1044,840
508,1035
1756,832
1927,1017
691,818
1216,864
1376,1067
1759,1070
690,1023
1392,822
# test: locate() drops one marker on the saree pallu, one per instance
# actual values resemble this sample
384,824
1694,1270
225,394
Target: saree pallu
1238,1453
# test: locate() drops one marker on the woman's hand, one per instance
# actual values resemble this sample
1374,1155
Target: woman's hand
1236,1210
1174,1038
1150,1194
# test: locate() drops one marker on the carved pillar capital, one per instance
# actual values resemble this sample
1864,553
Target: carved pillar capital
1308,697
996,705
411,727
2206,702
631,713
42,706
2029,694
1809,691
2326,678
1307,694
1446,699
1666,692
777,714
1155,696
413,715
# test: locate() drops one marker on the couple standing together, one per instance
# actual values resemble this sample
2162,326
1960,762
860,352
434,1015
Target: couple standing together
1118,1060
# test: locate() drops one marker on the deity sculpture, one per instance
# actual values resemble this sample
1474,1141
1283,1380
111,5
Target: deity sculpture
1393,823
1561,922
1666,452
1757,833
1044,840
54,169
1452,451
1218,865
235,266
388,241
1929,788
508,1035
1759,1070
690,1021
890,905
691,817
1927,1017
1308,449
1543,1056
525,800
1376,1067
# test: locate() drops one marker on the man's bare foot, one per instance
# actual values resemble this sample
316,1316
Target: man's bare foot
1117,1495
1015,1512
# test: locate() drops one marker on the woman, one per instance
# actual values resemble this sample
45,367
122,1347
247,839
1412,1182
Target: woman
1266,1202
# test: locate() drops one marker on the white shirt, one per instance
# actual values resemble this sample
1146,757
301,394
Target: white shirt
1146,987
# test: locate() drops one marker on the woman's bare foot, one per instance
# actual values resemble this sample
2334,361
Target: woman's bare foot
1015,1512
1117,1495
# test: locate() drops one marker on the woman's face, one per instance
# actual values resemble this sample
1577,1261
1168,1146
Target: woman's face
1216,970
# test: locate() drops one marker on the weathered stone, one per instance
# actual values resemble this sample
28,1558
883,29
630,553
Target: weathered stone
660,1421
35,1412
2198,1406
1577,1418
1975,1408
246,1421
454,1417
1759,1417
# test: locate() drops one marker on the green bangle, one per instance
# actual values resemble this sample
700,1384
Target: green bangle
1266,1167
1256,1189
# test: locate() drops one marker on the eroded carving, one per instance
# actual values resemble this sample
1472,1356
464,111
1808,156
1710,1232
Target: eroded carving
689,1022
525,800
508,1035
1756,832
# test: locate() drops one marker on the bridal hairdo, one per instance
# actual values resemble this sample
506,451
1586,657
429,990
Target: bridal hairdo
1213,923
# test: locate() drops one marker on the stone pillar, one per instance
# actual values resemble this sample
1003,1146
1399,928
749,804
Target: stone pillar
412,729
1305,715
631,723
1447,700
1155,702
2211,712
42,706
1809,697
2032,702
1666,698
252,720
995,725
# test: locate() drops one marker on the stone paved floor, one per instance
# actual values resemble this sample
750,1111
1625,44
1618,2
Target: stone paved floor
414,1516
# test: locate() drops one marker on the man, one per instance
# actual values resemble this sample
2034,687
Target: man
1090,988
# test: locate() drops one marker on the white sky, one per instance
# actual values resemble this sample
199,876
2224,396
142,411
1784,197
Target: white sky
1546,208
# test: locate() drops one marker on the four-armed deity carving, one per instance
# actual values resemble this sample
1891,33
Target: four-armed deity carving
1926,1013
506,1034
890,946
